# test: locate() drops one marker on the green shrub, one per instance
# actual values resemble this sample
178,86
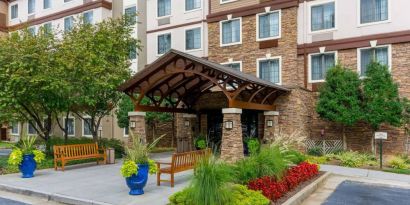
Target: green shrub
352,159
180,198
398,163
294,156
315,151
113,143
200,142
245,170
253,145
317,160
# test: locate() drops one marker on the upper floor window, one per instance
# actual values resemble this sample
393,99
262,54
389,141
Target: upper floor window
234,65
193,39
14,10
231,32
192,5
68,23
323,16
373,11
268,25
379,54
131,13
88,17
70,126
46,4
320,64
164,8
270,70
164,43
31,6
15,128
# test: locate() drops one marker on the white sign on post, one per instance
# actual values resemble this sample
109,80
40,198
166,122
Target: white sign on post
380,135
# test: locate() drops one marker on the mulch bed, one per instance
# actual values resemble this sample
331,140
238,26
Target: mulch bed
296,190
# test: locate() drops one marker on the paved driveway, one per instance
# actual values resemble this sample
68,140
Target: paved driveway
4,201
5,152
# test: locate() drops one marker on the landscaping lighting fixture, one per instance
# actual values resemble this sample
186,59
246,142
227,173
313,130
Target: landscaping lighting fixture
269,123
132,124
229,124
186,123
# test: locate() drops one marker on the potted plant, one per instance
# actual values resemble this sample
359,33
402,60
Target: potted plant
137,164
251,145
200,142
26,156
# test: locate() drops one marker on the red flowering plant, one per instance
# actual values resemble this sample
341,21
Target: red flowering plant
274,189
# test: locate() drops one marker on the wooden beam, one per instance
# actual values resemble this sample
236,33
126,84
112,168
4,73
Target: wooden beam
146,108
250,106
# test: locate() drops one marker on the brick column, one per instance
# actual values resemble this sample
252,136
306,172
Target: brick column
271,131
232,142
137,118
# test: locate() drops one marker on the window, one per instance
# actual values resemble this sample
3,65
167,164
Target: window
131,14
367,55
268,25
226,1
192,5
193,39
320,64
48,27
269,70
133,52
86,127
70,126
15,128
88,17
65,1
32,30
126,131
31,6
68,23
373,11
46,4
323,16
164,43
231,32
14,11
234,65
30,129
164,8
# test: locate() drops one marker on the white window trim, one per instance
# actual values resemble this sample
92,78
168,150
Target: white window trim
310,65
67,18
234,62
70,117
11,5
225,2
68,2
240,31
34,12
51,6
83,126
359,57
202,37
162,17
18,130
280,26
29,134
156,44
309,11
359,24
271,58
125,135
193,10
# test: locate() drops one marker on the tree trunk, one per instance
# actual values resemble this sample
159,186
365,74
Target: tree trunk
372,141
344,137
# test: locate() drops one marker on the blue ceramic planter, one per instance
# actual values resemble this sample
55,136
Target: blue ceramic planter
28,166
137,182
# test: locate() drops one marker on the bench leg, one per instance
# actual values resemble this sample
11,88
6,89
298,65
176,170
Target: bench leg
158,178
62,164
172,180
55,164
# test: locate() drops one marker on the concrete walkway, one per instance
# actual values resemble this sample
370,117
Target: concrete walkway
355,172
91,184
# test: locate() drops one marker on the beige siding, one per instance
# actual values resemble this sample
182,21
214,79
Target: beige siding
216,6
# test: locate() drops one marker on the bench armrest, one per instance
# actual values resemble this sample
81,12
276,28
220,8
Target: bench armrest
167,163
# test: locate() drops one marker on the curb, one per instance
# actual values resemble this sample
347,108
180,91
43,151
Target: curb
50,196
303,194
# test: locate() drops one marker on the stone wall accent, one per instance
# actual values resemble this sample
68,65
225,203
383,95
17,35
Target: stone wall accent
232,144
204,124
186,133
139,119
162,128
271,131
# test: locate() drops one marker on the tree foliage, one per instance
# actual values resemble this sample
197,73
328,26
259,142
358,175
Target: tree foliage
406,115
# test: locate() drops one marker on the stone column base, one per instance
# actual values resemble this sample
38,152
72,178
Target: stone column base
232,142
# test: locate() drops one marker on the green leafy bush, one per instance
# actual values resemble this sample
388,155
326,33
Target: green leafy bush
129,168
180,198
315,151
351,159
116,144
15,158
200,142
398,163
294,156
317,160
253,145
25,147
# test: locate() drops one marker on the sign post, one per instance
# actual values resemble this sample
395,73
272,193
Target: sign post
380,136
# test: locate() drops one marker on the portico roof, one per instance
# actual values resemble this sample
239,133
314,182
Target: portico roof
176,80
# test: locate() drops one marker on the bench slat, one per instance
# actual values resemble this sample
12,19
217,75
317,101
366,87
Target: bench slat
64,153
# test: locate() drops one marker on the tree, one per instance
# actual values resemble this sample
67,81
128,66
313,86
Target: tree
339,98
97,60
406,115
381,102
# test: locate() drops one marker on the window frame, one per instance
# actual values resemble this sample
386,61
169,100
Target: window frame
165,16
359,57
310,80
34,9
83,126
51,5
270,58
233,62
35,29
221,44
136,10
18,129
309,12
11,9
225,2
28,129
124,133
185,38
157,42
72,23
192,10
73,118
89,11
280,26
359,16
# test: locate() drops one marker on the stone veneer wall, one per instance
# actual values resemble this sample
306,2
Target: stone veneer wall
161,129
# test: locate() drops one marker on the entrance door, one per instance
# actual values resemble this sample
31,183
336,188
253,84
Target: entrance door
3,134
214,134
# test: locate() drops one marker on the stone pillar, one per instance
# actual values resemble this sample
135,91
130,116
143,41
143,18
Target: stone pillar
204,124
137,125
232,142
271,117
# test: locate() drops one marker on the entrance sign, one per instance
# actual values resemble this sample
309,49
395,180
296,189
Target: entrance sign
380,135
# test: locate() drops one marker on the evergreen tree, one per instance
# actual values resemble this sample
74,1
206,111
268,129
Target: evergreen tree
381,102
339,99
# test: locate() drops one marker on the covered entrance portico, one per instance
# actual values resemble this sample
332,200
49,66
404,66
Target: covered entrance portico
181,83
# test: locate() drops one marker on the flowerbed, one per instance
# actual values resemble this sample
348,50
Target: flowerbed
274,189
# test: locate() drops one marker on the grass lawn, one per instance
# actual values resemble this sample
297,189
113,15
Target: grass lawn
6,145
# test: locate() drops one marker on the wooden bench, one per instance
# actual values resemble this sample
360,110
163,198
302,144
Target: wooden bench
180,162
65,153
